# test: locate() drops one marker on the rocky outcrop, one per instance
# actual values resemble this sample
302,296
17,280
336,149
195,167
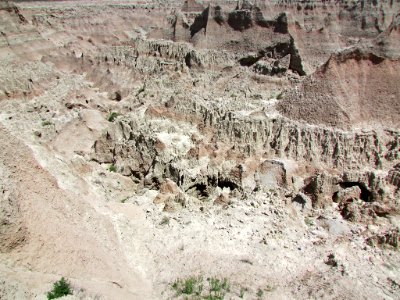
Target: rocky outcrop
272,174
283,138
140,154
150,56
347,194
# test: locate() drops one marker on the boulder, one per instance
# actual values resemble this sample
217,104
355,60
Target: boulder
272,174
353,192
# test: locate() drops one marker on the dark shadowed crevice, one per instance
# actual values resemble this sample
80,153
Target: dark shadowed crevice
365,193
199,189
218,16
225,183
281,24
295,64
249,60
240,20
200,22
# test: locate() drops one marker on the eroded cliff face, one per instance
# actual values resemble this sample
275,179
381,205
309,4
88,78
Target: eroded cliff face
259,130
243,31
331,24
335,25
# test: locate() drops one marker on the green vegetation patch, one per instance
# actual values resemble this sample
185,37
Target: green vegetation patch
214,288
189,286
112,116
60,288
112,168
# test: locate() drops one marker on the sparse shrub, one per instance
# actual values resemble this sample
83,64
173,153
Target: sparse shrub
214,297
218,288
141,90
60,288
242,291
189,286
46,123
269,288
112,116
309,221
260,293
192,287
112,168
164,221
279,96
217,285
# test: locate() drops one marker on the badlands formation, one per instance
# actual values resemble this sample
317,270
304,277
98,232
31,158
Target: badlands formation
146,143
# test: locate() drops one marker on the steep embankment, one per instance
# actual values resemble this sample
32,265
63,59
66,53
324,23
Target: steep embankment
48,230
354,89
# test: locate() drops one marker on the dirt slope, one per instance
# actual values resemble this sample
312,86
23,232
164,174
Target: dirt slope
353,89
65,232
